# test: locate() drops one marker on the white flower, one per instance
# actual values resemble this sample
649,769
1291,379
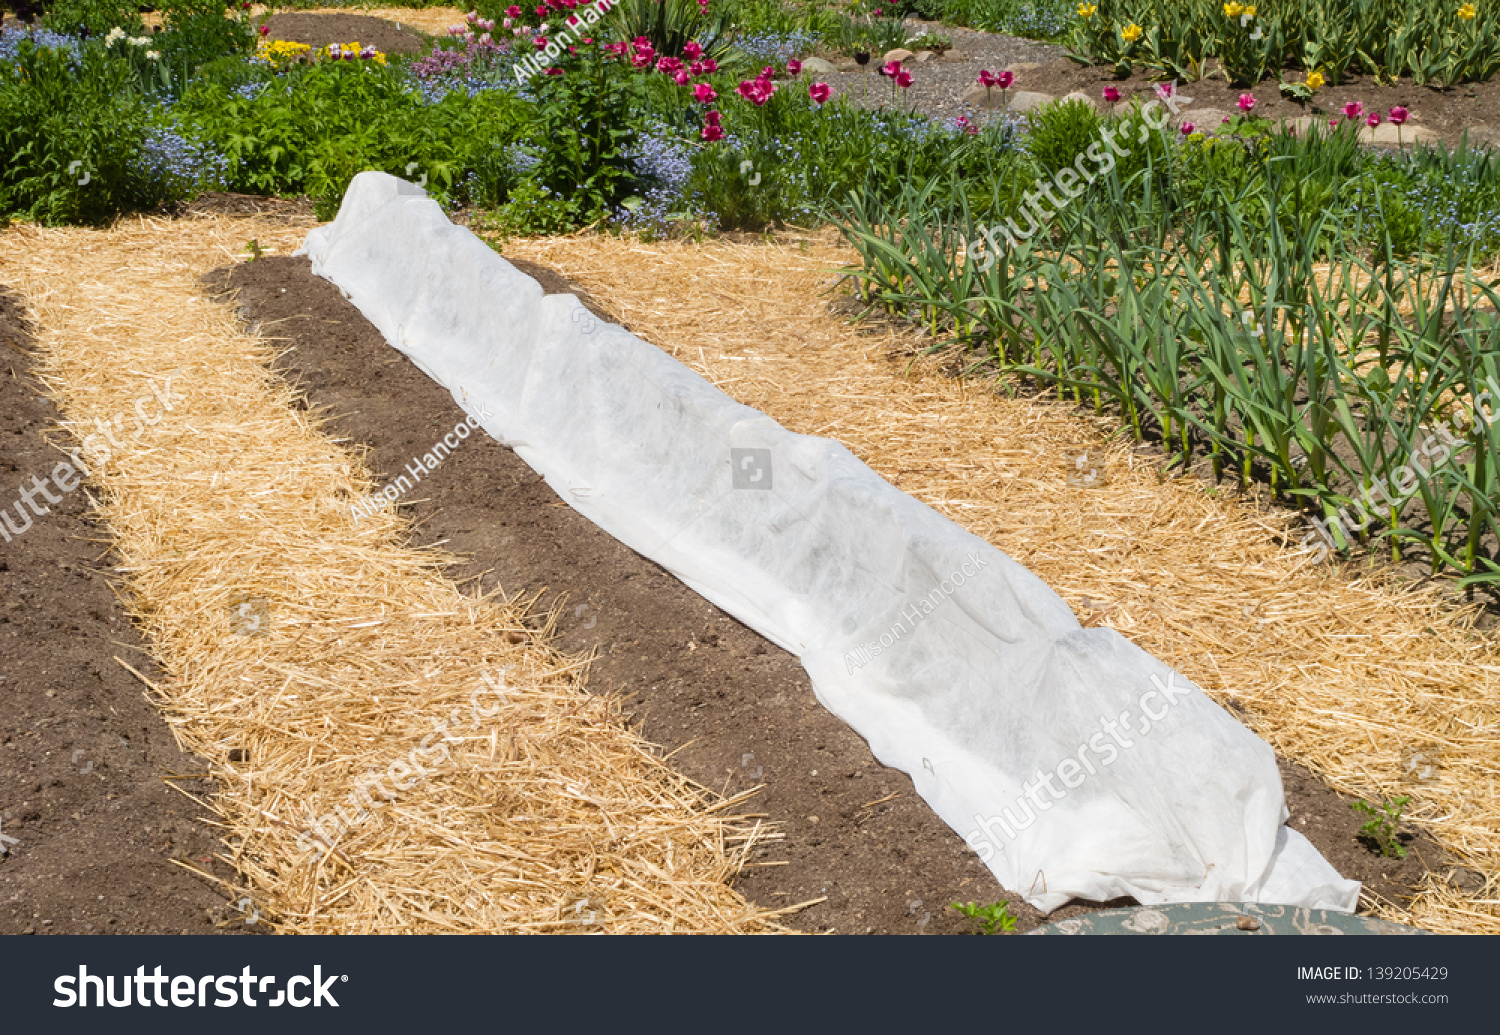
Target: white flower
139,41
116,33
153,55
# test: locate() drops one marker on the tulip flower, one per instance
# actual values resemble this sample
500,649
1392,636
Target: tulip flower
1398,115
1004,79
1111,95
1246,102
794,68
988,79
903,79
704,94
1374,119
512,11
692,50
1186,128
819,92
890,69
1353,110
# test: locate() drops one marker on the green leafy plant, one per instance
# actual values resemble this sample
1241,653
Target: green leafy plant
1383,825
989,919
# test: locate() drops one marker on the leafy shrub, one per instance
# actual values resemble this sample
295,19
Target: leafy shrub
68,116
311,129
1061,131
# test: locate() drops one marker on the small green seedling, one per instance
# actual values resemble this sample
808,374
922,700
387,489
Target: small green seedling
254,249
992,918
1383,823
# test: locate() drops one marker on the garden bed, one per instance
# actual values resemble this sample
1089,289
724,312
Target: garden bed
730,703
85,759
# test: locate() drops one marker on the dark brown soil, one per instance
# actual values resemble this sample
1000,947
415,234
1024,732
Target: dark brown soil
739,710
82,753
1446,112
319,30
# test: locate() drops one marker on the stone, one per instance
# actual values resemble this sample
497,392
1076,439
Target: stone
1079,95
1385,133
899,54
1020,100
1484,135
816,66
924,56
1204,120
1022,66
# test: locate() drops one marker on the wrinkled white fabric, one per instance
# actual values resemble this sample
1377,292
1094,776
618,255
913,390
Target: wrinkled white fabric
1073,762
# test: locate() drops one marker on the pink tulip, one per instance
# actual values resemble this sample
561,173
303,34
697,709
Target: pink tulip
713,132
1186,128
1398,115
512,11
1165,90
794,68
1374,119
890,69
692,50
1353,110
903,79
710,66
1111,95
819,92
668,65
987,78
712,117
1247,101
1004,79
704,94
265,30
471,17
696,68
1333,123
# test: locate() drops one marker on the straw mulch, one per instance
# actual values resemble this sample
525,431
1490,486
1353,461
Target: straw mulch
1365,682
307,653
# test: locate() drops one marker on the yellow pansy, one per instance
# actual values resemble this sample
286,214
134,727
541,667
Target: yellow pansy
1131,32
1233,10
1466,12
1314,80
1087,10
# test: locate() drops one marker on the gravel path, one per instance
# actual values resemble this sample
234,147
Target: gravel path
938,84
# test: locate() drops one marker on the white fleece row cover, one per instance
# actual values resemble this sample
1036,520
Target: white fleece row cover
1073,762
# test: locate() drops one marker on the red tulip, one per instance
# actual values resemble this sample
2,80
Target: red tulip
819,92
1398,115
704,94
1004,79
794,68
1353,110
1111,94
713,132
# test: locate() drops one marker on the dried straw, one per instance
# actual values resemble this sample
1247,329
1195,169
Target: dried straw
1364,680
539,811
